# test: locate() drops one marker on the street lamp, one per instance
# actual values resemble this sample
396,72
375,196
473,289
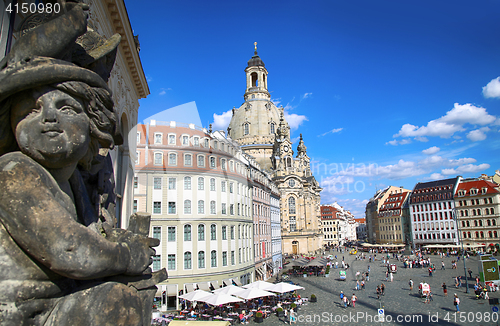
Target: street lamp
463,256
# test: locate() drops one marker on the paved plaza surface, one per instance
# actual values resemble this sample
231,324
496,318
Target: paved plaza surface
401,306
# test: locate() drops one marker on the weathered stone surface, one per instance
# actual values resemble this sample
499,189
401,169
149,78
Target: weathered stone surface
62,259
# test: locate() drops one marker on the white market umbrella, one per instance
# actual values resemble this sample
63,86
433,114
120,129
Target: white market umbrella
220,299
259,285
253,293
230,289
195,295
285,287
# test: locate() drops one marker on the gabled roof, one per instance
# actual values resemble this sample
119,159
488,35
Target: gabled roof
492,188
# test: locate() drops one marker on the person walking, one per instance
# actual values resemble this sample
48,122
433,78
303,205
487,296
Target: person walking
382,289
391,276
346,301
445,290
410,283
442,265
378,292
354,298
470,273
456,302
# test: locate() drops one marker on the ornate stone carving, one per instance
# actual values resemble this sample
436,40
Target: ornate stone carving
64,262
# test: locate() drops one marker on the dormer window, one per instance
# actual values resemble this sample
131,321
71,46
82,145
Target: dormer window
484,190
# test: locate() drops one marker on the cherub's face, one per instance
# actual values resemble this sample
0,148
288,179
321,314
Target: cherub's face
50,126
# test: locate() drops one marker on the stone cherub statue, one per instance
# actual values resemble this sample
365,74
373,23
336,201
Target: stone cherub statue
62,259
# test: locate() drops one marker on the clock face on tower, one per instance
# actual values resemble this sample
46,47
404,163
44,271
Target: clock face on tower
285,148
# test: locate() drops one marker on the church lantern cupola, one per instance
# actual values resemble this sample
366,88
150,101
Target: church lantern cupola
301,148
256,73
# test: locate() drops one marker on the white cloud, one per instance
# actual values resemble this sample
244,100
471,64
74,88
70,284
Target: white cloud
163,92
276,101
221,121
449,124
431,150
492,89
331,131
294,120
395,142
467,113
295,139
478,134
422,139
468,168
306,95
436,176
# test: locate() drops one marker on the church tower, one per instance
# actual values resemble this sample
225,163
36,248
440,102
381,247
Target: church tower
262,131
254,124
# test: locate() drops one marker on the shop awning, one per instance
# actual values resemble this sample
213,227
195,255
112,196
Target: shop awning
189,287
204,286
172,290
215,284
227,281
237,282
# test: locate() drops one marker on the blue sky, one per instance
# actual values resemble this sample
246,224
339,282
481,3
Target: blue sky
384,92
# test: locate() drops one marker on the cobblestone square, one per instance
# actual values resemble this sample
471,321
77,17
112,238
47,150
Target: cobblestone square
401,306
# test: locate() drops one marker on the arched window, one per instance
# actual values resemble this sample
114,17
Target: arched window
187,206
493,222
291,205
213,232
172,159
201,259
488,222
490,234
495,234
201,183
187,183
482,234
213,258
201,207
187,260
246,128
212,184
201,232
273,128
158,158
187,232
255,79
188,159
212,207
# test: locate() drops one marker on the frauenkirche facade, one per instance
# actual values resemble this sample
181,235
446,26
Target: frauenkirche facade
262,131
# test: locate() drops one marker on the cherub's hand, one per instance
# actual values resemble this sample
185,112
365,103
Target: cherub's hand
140,247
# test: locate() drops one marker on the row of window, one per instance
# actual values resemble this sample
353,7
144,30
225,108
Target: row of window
432,216
476,212
188,259
476,201
433,236
242,209
473,191
390,220
433,226
478,223
390,236
243,232
430,206
188,160
392,212
390,228
468,235
172,184
426,198
186,140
